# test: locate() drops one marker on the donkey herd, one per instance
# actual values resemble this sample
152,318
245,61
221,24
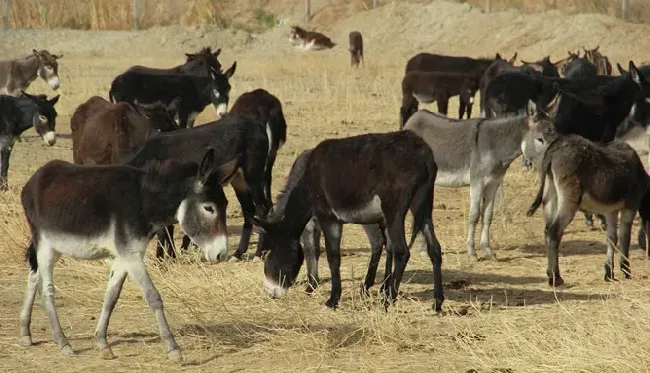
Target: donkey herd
141,166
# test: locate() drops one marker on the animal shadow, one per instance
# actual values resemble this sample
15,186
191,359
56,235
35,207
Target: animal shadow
571,247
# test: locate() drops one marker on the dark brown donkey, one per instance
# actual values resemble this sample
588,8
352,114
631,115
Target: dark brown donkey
101,212
103,132
17,75
356,48
427,87
198,64
373,178
602,62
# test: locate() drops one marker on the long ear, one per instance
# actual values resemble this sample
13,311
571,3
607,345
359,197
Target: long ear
190,56
217,52
498,57
552,107
206,165
27,95
36,53
595,49
513,59
620,69
226,172
54,100
231,71
265,223
635,74
531,108
173,106
56,57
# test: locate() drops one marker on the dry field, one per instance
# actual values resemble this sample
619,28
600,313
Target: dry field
499,316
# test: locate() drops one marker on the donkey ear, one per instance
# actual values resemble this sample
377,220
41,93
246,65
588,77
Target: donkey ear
635,74
36,53
54,100
206,165
231,71
498,57
173,106
513,59
264,223
620,69
226,172
217,52
57,56
531,108
595,49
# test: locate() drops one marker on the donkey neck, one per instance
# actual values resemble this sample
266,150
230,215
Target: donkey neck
28,110
502,137
296,211
162,195
26,69
622,92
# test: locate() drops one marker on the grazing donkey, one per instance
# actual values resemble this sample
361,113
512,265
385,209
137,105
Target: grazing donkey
311,234
398,175
427,87
356,48
104,132
309,40
197,64
17,115
474,153
229,136
578,174
17,75
195,92
99,212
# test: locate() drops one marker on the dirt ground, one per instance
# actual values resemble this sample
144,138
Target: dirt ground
499,316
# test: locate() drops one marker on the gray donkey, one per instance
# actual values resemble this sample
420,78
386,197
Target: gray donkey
578,174
474,153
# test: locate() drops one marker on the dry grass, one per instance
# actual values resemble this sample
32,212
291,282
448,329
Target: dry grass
118,14
500,316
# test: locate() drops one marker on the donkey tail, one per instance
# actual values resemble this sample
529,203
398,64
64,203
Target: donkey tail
30,256
545,169
422,203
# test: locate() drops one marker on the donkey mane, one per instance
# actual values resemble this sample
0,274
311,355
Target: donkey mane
296,173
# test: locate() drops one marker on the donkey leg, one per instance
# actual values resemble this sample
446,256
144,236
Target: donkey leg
554,231
401,256
624,233
602,220
248,209
443,105
435,254
28,305
612,241
461,108
475,197
46,257
589,219
487,209
332,233
113,289
469,110
311,249
375,233
136,269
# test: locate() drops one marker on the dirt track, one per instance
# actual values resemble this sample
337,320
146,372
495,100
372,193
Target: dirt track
499,314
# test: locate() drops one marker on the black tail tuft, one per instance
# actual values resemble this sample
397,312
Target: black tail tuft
30,256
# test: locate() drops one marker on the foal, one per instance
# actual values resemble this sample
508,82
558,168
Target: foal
578,174
99,212
397,174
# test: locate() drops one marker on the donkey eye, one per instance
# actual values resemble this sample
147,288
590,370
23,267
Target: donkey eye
209,209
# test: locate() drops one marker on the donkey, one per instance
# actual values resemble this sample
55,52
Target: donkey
356,48
578,174
229,136
197,64
309,40
474,153
602,62
562,64
311,234
195,92
580,68
16,75
427,87
103,132
17,115
125,207
398,175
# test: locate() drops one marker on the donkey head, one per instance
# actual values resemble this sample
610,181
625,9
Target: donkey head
44,120
285,255
202,62
541,130
159,115
221,89
640,111
202,214
48,67
296,35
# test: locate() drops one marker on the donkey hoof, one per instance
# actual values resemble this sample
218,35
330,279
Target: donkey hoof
175,355
106,353
558,281
234,259
257,259
26,340
67,351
